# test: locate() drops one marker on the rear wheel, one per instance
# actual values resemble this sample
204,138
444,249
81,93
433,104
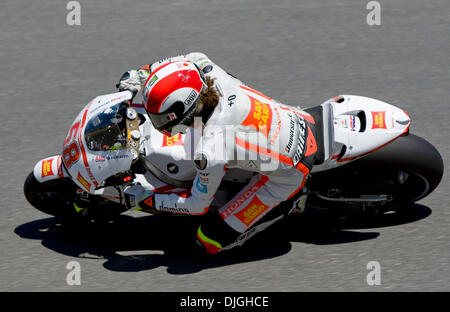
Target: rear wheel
389,179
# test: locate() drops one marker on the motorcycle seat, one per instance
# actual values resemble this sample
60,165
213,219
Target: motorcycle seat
317,113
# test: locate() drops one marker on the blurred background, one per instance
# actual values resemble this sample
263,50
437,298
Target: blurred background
299,52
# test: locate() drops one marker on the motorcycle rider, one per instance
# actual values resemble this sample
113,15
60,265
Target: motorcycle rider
241,128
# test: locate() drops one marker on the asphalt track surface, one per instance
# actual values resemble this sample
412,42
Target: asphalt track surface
300,52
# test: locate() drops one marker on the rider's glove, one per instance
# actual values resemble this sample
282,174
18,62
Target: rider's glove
130,81
137,197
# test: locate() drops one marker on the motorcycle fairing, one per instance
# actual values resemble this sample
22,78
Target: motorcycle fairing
355,126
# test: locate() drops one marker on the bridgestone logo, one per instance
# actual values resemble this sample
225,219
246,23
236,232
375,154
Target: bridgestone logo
301,141
291,134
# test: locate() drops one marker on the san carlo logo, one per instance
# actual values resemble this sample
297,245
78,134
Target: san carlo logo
254,209
260,117
177,139
379,120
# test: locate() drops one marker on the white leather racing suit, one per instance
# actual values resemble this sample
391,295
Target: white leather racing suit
251,131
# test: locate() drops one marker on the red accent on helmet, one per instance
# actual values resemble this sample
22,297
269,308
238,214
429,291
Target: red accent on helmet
162,90
178,79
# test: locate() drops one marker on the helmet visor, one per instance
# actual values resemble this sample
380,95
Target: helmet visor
163,120
168,121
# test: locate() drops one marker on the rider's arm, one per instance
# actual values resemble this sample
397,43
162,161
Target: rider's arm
210,161
197,201
201,196
195,57
200,59
134,80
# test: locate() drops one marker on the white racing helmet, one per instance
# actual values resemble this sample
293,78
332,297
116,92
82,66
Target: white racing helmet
170,94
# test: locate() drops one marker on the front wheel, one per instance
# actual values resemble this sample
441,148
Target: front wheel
389,179
56,198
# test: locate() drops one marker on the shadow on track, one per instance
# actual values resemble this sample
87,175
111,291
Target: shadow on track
132,244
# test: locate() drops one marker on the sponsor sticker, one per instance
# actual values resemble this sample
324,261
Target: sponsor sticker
277,129
379,120
172,116
291,134
47,168
115,157
152,80
177,139
259,117
238,202
99,159
311,147
117,99
299,151
201,187
149,201
254,209
173,209
243,198
191,98
352,123
83,182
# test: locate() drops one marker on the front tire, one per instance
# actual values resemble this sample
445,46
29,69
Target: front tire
56,198
53,197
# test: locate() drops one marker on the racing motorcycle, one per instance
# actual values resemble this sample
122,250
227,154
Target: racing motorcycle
367,161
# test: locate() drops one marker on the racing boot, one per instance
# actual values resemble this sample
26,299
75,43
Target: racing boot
214,234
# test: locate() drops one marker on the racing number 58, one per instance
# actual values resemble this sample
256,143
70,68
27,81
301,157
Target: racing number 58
71,153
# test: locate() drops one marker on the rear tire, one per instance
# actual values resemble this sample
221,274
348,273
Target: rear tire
406,170
409,153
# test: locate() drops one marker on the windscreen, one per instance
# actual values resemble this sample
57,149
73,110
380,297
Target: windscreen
104,131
